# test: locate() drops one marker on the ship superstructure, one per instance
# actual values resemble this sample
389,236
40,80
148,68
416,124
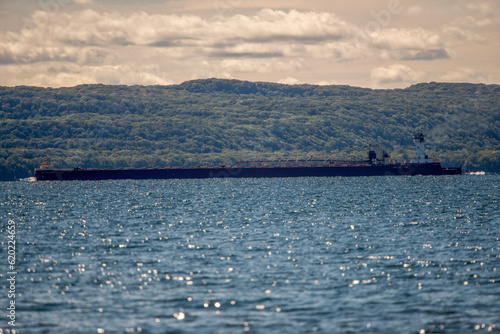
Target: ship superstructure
420,156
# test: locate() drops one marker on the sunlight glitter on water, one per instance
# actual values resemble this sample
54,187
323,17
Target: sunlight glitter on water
265,256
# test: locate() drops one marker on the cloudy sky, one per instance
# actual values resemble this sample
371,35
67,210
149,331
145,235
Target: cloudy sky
367,43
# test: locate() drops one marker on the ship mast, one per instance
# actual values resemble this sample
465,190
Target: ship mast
420,156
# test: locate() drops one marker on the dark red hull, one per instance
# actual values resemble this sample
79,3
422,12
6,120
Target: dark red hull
243,172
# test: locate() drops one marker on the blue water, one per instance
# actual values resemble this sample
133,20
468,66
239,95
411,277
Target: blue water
304,255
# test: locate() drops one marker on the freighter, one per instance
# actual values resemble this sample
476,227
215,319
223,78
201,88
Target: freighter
378,164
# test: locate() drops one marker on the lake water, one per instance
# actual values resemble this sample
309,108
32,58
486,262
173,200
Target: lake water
291,255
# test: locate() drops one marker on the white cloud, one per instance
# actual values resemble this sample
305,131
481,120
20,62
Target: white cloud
49,75
484,8
481,17
327,83
268,41
406,39
456,35
395,73
289,81
267,27
261,65
112,47
464,74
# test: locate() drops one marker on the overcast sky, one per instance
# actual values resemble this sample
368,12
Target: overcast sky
367,43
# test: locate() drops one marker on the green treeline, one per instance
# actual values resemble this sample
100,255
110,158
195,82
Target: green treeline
218,121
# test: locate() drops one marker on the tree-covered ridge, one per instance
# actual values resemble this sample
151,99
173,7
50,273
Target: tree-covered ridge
218,121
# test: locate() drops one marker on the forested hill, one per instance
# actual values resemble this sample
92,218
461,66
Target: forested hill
217,121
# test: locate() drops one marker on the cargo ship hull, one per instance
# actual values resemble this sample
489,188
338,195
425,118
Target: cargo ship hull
378,164
243,172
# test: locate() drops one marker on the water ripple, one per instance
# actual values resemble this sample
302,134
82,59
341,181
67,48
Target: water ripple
326,255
